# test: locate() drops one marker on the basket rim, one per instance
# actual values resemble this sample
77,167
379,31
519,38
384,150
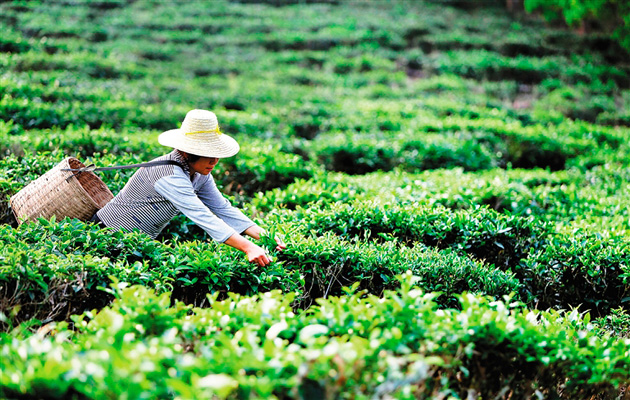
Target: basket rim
90,173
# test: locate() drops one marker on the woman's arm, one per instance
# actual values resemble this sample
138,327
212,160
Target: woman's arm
255,253
216,202
210,195
178,190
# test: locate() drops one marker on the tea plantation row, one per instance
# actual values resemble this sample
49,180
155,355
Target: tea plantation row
52,269
247,58
427,142
400,345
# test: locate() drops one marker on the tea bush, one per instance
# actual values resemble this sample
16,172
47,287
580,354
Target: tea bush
577,104
568,199
262,168
327,264
617,323
484,234
51,269
516,191
61,114
481,64
302,192
75,141
86,63
582,270
358,158
14,42
398,345
363,153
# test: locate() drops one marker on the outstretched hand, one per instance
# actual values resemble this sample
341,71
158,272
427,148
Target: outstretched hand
256,232
257,255
280,243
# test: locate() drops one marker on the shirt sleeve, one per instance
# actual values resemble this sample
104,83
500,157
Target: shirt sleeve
210,195
178,189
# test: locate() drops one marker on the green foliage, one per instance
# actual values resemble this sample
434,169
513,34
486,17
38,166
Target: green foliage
576,104
355,157
259,169
498,239
51,269
584,270
327,264
617,323
478,151
13,42
612,15
360,344
302,192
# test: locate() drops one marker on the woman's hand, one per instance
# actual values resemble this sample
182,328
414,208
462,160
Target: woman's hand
280,243
255,254
255,231
258,256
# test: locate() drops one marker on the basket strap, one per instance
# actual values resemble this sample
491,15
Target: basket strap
92,167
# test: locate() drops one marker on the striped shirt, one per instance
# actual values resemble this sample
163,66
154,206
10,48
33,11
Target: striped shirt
154,195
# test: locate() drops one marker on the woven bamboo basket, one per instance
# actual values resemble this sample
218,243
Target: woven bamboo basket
54,194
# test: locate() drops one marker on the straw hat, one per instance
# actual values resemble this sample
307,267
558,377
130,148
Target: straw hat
200,135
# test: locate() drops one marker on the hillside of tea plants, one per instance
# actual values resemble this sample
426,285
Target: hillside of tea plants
451,179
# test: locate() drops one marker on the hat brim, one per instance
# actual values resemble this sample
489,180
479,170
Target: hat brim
219,146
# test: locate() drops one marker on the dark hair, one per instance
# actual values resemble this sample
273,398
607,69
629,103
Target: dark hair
193,158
